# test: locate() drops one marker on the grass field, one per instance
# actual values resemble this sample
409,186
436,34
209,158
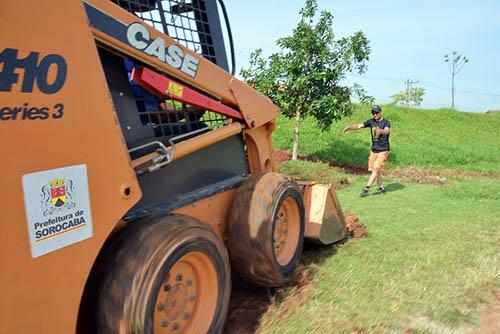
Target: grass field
432,254
430,258
438,138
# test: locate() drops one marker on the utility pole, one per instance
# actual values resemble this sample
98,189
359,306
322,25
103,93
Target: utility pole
408,83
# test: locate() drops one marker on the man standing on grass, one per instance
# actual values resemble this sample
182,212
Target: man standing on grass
380,130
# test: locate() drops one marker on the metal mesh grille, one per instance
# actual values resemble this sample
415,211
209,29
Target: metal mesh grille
184,21
187,23
169,118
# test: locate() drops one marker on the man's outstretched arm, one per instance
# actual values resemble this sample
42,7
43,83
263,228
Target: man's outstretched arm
353,127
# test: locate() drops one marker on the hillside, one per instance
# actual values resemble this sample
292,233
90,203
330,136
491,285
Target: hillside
439,138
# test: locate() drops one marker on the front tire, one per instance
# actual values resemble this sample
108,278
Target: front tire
266,229
166,274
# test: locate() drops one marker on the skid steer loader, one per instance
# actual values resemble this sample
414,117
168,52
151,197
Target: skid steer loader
137,171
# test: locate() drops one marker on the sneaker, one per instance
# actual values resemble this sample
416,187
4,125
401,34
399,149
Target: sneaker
364,193
381,191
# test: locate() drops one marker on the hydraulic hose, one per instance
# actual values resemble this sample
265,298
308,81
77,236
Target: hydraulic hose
230,36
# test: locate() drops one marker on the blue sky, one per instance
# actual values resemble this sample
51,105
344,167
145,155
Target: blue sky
408,41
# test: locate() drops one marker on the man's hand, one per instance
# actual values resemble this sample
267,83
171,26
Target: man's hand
384,131
346,129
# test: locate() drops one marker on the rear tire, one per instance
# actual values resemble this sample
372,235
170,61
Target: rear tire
166,274
266,229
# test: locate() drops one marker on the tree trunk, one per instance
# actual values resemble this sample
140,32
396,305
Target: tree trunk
296,132
453,86
453,92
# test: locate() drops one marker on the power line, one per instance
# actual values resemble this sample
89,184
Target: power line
425,83
432,85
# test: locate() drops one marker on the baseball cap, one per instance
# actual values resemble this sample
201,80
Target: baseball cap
376,109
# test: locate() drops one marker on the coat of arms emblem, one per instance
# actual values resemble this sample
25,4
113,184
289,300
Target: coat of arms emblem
57,195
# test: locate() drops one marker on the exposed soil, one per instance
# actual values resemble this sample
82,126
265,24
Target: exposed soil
281,156
355,228
428,176
490,317
248,302
416,175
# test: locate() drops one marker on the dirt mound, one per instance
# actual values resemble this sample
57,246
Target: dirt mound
280,156
490,317
354,227
417,175
303,278
428,176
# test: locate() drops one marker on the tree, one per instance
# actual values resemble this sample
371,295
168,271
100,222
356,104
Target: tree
305,77
457,61
413,96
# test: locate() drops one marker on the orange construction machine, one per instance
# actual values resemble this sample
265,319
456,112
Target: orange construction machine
136,171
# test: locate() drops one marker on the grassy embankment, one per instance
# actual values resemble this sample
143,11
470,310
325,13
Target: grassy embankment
427,138
432,254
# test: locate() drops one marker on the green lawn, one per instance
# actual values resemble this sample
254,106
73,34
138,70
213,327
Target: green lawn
438,138
431,256
432,253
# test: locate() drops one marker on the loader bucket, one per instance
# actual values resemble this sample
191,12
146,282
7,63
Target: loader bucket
324,220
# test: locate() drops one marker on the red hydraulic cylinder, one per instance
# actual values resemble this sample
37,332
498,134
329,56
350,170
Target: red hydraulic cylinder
161,85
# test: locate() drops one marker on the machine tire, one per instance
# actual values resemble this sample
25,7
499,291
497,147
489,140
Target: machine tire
165,274
267,213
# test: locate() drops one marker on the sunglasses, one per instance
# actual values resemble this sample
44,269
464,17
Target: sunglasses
375,112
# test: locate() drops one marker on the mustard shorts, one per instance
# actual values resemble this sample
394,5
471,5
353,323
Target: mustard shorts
376,160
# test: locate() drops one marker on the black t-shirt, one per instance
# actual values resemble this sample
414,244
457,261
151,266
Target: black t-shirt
380,144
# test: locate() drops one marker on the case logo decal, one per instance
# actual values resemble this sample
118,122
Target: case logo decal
138,36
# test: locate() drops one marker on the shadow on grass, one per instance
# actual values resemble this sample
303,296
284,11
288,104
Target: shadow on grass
352,153
316,254
351,156
394,187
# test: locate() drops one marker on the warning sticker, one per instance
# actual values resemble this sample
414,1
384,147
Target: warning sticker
175,89
57,208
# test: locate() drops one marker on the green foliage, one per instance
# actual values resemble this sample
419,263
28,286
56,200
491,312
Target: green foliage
430,257
306,75
438,138
456,60
414,96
